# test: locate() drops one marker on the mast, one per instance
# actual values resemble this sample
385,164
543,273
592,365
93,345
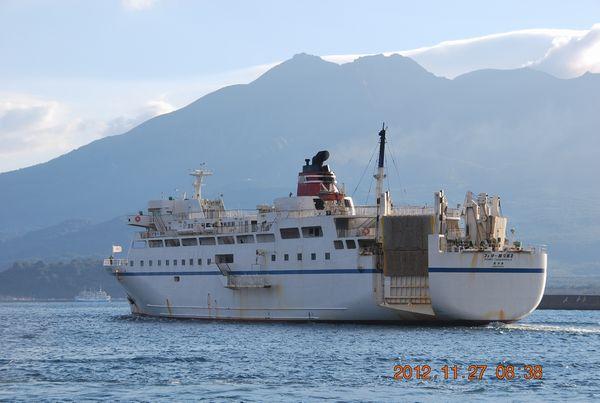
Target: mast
199,174
380,176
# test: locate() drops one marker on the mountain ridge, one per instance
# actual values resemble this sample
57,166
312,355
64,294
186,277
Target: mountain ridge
521,133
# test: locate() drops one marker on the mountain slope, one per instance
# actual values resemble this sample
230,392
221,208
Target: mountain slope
521,133
65,241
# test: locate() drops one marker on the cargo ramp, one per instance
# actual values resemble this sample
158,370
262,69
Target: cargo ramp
405,263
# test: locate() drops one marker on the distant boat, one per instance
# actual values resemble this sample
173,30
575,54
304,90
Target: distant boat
93,296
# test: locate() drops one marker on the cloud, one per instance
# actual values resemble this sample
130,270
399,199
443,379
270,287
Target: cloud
508,50
34,129
31,127
572,57
138,5
125,123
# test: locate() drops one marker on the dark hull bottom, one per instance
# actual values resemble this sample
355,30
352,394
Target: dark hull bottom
409,323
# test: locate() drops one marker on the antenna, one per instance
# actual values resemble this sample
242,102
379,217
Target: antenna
380,176
380,195
199,174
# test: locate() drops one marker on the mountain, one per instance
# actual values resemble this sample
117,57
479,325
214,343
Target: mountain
524,134
63,280
71,239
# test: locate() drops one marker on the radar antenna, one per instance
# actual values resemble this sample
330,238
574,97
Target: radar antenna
199,174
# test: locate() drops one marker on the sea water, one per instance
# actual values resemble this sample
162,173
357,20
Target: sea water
93,351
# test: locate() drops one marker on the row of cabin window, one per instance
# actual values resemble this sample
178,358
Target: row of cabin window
167,262
225,259
286,257
337,244
286,233
221,240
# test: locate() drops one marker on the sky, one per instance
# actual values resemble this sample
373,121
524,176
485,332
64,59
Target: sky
75,71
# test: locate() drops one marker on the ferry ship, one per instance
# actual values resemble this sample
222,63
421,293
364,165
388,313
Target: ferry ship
316,256
93,296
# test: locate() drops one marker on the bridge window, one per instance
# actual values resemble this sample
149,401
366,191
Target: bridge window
174,262
209,240
199,262
131,263
338,244
149,262
141,263
183,262
171,242
166,262
226,240
286,257
189,242
313,256
299,256
327,255
351,244
263,238
245,238
208,261
312,232
155,243
158,262
289,233
273,257
191,262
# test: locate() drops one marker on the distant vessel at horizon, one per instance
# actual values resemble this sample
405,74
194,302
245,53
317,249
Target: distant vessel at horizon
93,296
317,256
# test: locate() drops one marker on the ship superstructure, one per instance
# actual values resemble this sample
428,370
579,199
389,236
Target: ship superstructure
317,256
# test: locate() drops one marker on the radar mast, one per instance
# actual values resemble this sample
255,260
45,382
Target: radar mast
199,174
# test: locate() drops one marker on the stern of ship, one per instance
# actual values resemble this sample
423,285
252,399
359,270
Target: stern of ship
485,286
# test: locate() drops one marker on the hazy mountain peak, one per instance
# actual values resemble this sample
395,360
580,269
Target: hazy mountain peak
394,61
301,65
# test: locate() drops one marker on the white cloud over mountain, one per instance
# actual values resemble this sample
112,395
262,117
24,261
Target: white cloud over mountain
574,56
563,53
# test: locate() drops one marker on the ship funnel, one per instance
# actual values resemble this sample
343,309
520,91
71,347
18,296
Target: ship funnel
317,179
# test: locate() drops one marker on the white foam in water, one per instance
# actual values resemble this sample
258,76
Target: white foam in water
538,327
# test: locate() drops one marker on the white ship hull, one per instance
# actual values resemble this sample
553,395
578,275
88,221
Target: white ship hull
291,297
463,287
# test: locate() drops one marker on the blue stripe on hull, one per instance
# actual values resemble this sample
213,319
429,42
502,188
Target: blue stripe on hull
247,272
500,270
326,271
